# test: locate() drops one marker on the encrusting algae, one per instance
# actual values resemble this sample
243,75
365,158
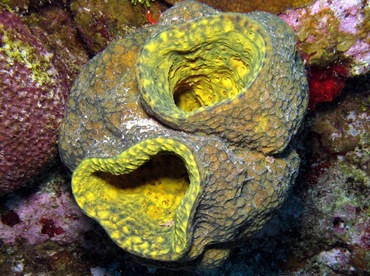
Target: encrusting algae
178,134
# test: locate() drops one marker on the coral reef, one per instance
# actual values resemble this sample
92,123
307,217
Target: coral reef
272,6
332,31
32,104
335,220
323,226
175,198
334,41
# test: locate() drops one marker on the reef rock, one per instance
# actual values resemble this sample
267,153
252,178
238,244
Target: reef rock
101,22
49,214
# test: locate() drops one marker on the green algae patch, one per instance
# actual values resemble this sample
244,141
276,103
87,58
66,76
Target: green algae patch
143,2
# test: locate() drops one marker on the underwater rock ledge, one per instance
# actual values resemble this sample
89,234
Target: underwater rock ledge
178,135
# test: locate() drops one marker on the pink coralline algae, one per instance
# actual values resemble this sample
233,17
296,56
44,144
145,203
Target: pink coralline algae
330,31
336,259
32,104
41,217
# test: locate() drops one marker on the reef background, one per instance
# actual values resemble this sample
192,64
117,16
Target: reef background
323,227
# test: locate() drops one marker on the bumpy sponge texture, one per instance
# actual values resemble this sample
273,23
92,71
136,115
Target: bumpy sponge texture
227,74
142,198
177,134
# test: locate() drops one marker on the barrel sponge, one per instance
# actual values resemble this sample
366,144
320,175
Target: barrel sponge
174,186
234,75
172,200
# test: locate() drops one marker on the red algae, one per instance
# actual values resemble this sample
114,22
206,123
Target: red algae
325,84
49,228
11,218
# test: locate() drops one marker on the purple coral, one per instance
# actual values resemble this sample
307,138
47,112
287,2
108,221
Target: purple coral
32,104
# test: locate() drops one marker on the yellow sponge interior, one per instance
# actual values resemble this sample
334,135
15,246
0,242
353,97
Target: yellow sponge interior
144,197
